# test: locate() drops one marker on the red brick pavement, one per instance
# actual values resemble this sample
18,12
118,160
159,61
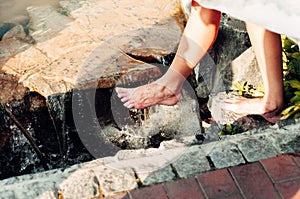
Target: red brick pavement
277,177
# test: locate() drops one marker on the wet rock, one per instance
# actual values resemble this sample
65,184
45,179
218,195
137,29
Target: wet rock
17,32
82,33
4,27
77,47
22,20
9,50
45,19
149,127
70,6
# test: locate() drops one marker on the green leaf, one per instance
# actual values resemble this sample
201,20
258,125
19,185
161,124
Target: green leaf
295,99
294,84
297,115
222,133
228,127
288,109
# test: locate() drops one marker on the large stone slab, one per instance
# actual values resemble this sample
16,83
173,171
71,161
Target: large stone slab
79,43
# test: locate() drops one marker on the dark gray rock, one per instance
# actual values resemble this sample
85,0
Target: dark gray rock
226,154
257,147
191,162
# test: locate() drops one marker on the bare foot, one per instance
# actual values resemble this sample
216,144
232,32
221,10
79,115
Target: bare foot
147,95
255,106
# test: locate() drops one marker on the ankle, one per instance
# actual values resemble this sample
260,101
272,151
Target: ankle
272,105
171,82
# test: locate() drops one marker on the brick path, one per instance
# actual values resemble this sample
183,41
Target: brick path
272,178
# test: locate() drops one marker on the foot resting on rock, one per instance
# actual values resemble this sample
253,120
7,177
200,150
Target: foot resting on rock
255,106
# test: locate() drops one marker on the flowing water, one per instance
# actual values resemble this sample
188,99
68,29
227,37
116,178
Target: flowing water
10,9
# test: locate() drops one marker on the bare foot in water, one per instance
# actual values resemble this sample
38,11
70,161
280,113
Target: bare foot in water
255,106
147,95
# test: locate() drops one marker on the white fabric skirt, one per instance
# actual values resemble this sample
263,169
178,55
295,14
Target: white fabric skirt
281,16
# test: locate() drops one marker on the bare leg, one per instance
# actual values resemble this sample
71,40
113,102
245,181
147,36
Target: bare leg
198,36
268,51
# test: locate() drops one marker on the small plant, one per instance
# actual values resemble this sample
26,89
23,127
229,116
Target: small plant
231,129
248,90
291,69
291,79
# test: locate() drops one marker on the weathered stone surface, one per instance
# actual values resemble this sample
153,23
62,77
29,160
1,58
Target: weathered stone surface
10,48
46,22
7,194
286,143
11,89
190,163
136,154
33,189
226,154
219,113
70,6
159,176
17,32
245,69
115,174
146,28
112,180
48,195
286,138
256,148
81,45
55,174
85,186
146,161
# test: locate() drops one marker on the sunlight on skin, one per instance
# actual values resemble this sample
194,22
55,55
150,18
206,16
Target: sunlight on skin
193,46
191,49
297,195
268,51
253,106
147,95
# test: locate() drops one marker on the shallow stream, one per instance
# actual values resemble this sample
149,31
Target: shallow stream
11,9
